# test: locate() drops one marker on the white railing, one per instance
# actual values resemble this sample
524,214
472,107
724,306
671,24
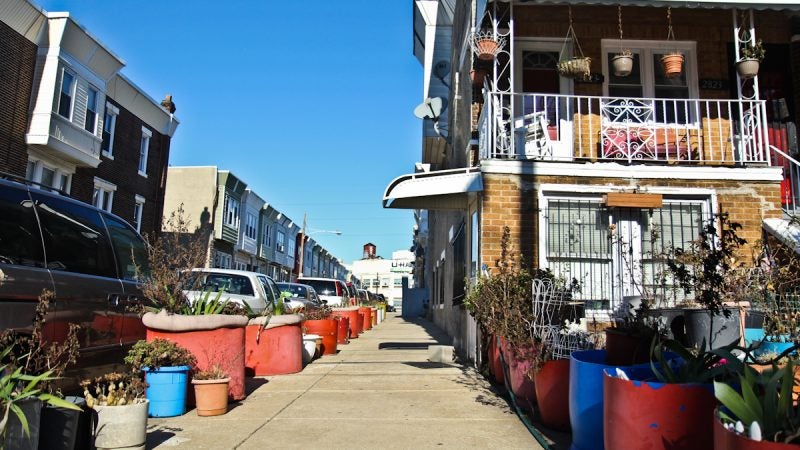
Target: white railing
590,128
790,186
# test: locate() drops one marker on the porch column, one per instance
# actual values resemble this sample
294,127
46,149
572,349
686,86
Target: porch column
794,61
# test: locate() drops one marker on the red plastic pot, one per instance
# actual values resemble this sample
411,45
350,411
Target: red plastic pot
518,367
656,415
356,321
623,349
552,394
220,346
328,329
343,330
495,365
725,439
374,312
276,351
367,312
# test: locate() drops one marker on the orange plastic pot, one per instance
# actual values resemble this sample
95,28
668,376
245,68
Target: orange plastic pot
656,415
211,396
354,319
220,346
328,329
374,312
552,394
518,367
725,439
343,330
495,365
367,312
275,351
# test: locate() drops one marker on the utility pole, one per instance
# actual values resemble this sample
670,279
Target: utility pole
302,247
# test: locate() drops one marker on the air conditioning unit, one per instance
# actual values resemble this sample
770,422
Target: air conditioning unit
280,248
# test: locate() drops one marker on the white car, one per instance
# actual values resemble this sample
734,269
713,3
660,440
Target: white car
333,291
256,290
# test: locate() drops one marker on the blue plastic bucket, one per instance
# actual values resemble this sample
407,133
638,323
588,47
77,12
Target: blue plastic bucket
753,335
586,398
768,346
166,390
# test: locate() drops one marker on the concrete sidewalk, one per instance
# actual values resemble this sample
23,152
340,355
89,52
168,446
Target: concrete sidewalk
378,392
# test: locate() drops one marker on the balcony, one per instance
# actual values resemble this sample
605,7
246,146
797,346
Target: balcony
572,128
54,133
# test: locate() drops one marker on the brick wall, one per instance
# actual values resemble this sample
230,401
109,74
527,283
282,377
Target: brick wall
512,200
123,172
17,62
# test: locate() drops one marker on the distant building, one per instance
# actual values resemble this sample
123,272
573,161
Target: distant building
71,121
385,276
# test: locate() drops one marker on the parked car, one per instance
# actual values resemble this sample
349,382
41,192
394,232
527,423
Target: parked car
362,296
86,256
331,290
302,296
353,292
240,286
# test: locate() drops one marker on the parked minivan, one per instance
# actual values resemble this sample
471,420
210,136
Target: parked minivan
86,256
329,289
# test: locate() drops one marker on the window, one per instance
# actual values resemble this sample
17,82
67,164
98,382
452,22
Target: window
251,224
459,265
231,211
268,235
138,209
238,265
280,242
474,246
398,283
290,248
129,248
384,282
144,149
230,284
109,125
65,94
90,123
18,245
74,236
222,260
103,196
48,177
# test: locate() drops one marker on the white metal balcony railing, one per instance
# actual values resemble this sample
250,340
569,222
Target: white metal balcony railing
591,128
790,186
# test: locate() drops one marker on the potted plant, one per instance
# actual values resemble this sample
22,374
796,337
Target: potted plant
759,413
710,271
622,63
211,391
776,299
166,366
120,407
209,322
668,404
486,44
320,322
750,56
628,341
274,342
577,66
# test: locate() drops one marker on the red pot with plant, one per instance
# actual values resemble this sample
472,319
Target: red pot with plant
343,330
355,321
551,382
274,346
320,322
367,312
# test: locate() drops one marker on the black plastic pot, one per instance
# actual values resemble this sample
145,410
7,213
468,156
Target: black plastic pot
15,435
716,329
65,429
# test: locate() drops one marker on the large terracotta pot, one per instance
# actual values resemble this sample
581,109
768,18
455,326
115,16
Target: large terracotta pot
656,415
495,365
212,396
356,321
552,394
343,330
374,316
276,349
367,312
725,439
213,339
328,329
518,367
624,349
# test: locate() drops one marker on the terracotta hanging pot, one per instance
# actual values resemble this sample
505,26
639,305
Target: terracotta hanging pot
672,64
486,48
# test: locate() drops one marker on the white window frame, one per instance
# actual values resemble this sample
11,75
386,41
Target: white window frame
280,244
61,178
646,49
138,212
250,226
110,120
144,150
267,235
222,260
93,110
102,187
71,93
290,246
230,212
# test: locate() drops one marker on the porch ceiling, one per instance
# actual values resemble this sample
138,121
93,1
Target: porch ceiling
724,4
436,190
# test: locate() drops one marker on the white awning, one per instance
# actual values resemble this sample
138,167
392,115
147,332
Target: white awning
437,190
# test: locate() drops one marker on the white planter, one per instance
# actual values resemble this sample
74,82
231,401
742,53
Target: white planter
309,347
623,64
747,68
121,427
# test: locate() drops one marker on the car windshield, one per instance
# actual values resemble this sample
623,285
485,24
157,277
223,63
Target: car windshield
229,283
323,287
295,289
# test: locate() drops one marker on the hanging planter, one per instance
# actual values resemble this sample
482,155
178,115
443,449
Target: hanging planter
750,56
672,63
576,67
622,63
487,45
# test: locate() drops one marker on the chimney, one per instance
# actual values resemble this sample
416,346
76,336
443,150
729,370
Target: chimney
369,251
168,104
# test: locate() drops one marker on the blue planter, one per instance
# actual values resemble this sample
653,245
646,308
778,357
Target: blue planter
166,390
586,398
768,346
753,335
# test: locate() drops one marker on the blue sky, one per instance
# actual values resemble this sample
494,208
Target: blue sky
309,102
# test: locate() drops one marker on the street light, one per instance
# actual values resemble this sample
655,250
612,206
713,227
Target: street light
303,242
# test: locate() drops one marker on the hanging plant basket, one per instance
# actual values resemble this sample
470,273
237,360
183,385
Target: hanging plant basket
579,67
622,63
747,68
672,64
487,45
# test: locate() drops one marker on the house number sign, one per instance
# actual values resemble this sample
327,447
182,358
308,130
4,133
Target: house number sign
715,85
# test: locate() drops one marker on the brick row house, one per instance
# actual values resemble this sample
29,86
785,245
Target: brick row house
71,121
245,231
596,172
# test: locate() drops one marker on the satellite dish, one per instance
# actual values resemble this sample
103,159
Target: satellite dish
441,69
431,108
